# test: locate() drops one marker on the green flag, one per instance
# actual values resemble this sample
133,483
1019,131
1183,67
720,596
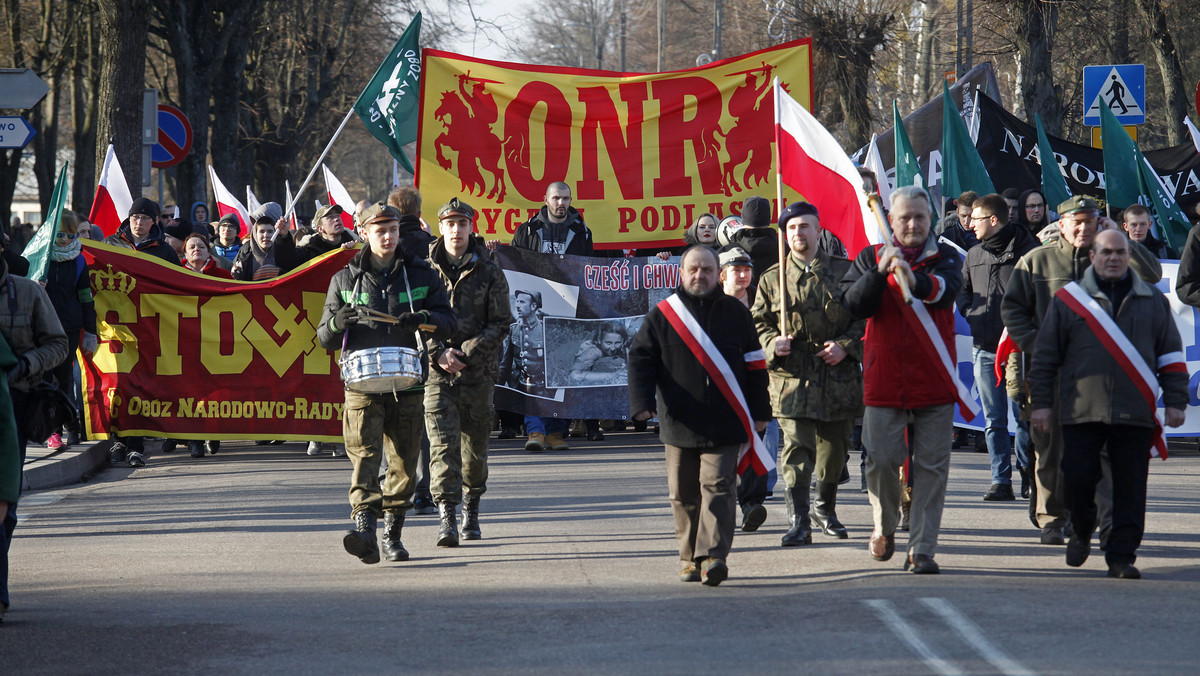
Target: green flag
1054,185
1121,177
390,103
962,168
908,170
37,252
1173,225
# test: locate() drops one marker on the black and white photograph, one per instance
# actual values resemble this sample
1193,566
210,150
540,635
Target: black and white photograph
588,352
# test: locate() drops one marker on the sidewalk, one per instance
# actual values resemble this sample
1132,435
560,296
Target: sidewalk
45,468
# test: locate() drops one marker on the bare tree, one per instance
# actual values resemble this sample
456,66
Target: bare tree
1169,68
124,26
1035,23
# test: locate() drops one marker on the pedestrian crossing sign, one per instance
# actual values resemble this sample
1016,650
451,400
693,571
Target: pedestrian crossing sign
1121,87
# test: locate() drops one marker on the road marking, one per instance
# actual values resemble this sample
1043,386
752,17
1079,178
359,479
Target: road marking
974,637
891,618
40,499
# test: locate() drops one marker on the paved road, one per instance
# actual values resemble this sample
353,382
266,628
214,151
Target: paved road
233,564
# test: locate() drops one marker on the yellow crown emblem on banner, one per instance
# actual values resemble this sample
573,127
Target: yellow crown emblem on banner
111,280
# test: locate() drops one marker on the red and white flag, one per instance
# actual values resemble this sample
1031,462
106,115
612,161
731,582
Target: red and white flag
252,203
113,199
340,196
810,161
287,186
1004,348
227,203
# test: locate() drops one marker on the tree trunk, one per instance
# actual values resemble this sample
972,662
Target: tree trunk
1174,93
921,78
123,31
1118,22
85,80
1035,28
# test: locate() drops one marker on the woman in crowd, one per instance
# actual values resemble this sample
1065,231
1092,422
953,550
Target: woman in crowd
70,290
702,231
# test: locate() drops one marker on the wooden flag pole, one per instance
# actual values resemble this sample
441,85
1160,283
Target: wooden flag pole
308,179
782,229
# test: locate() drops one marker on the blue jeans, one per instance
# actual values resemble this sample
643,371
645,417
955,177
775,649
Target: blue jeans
771,439
995,412
539,425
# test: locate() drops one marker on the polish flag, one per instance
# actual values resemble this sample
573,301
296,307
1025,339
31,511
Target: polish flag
287,186
338,195
113,199
227,203
252,203
810,161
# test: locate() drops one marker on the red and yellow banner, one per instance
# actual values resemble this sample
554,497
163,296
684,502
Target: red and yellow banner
644,153
187,356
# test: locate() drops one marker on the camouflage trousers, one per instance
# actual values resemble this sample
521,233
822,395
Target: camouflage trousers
458,419
813,447
377,426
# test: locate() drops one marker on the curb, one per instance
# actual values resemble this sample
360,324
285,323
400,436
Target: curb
69,470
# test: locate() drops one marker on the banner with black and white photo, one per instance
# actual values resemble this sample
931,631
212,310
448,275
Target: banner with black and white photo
565,355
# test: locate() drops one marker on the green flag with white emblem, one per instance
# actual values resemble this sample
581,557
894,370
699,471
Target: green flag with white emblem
390,104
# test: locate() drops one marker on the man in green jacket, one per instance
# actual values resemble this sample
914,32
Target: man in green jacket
815,368
1037,277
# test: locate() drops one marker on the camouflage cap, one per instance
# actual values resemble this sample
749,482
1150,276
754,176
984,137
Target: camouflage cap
455,207
376,213
1078,203
327,210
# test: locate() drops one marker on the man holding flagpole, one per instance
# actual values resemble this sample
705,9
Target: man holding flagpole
697,365
909,373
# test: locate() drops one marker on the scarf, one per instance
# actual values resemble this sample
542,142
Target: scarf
911,254
1000,239
69,252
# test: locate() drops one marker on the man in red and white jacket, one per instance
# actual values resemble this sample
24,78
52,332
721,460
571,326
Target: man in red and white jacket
909,372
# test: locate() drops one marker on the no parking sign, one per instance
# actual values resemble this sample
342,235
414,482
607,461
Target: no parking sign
174,138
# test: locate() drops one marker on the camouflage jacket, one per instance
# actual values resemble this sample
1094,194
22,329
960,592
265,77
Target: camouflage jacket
802,384
479,296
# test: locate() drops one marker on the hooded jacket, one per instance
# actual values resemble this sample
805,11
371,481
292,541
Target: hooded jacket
478,294
665,376
153,244
284,252
530,235
899,370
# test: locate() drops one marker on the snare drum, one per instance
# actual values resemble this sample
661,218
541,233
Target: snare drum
381,369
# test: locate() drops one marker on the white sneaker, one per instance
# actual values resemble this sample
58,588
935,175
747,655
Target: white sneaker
314,448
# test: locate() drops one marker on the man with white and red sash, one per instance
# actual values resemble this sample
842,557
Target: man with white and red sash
1034,281
1112,338
697,365
909,378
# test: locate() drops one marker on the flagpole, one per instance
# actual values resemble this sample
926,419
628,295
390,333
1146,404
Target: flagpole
783,226
308,179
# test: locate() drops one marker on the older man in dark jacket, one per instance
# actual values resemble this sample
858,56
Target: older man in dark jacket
701,428
985,277
1107,344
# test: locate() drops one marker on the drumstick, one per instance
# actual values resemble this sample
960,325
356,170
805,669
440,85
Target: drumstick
389,319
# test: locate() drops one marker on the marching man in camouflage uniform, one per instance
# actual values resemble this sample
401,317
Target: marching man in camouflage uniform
387,280
458,394
816,378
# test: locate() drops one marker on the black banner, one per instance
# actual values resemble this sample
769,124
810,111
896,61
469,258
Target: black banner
1009,150
566,354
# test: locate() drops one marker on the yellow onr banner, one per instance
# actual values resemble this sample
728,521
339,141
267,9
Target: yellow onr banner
644,154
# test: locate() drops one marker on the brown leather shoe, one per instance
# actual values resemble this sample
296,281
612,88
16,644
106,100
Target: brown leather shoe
536,443
882,546
923,564
555,442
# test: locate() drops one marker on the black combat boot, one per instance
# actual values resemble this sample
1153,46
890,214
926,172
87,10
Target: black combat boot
361,541
448,529
393,548
470,521
824,516
797,507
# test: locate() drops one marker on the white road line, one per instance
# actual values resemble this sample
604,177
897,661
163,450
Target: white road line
891,618
974,637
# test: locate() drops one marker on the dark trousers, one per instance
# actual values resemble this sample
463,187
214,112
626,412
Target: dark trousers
1129,460
700,484
64,377
20,407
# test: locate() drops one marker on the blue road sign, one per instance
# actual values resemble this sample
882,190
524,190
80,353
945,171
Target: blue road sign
174,138
15,132
1122,87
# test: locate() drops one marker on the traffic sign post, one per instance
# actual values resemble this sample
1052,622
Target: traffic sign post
15,132
174,137
21,88
1121,87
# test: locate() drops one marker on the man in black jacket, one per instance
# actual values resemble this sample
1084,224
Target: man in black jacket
986,272
701,430
757,237
557,228
383,278
141,232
